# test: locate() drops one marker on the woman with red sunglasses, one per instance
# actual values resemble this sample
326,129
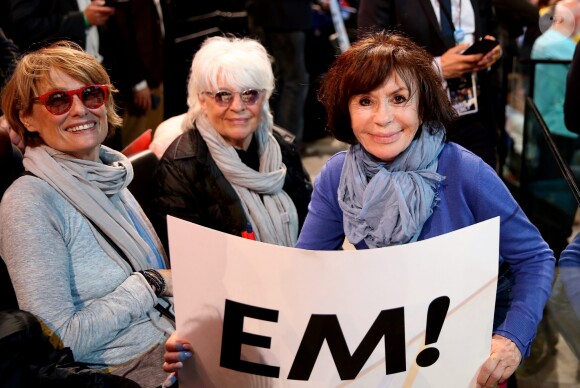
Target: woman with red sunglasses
81,255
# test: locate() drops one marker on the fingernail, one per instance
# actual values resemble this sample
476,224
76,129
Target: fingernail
179,365
184,355
181,347
169,381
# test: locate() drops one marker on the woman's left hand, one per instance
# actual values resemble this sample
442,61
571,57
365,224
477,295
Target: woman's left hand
177,351
505,357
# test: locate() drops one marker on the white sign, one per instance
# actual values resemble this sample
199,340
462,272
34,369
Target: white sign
260,315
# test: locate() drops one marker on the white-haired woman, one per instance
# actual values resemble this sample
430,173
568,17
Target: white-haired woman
230,171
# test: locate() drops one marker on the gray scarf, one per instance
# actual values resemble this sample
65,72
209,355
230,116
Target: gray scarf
98,190
267,206
388,203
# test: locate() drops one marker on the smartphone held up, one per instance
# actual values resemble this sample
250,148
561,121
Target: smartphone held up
482,46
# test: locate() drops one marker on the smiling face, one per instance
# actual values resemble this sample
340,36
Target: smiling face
385,120
78,132
236,122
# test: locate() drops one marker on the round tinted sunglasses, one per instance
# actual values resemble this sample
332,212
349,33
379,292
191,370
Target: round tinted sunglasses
225,97
60,101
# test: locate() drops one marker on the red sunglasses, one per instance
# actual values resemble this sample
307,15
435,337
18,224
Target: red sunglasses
60,101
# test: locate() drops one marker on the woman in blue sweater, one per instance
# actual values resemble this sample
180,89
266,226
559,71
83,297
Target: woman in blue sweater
400,182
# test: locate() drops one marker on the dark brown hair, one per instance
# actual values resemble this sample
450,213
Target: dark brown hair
367,65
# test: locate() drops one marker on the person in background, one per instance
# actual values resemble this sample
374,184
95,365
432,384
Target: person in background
81,255
550,79
137,31
556,43
230,171
401,181
282,26
31,22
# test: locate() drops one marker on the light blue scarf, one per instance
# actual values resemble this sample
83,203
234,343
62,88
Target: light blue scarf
387,203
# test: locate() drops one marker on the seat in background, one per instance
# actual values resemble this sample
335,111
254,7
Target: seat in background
141,143
144,165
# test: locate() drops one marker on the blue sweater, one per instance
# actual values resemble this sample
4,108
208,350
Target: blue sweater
470,193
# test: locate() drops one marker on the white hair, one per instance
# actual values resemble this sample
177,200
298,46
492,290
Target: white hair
242,63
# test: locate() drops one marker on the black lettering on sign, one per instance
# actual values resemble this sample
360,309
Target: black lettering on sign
233,337
390,325
435,318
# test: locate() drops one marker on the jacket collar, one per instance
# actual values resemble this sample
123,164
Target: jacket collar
191,145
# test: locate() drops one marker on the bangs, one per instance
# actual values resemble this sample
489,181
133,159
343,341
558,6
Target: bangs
238,63
381,64
235,77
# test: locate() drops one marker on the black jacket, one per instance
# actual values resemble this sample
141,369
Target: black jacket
32,21
190,186
281,15
417,20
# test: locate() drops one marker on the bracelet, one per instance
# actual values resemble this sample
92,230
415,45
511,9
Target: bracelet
151,280
162,285
155,280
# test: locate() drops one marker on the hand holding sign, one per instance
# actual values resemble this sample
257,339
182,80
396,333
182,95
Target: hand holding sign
177,351
504,359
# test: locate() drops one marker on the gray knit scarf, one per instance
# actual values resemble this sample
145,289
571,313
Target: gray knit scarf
267,206
98,190
387,203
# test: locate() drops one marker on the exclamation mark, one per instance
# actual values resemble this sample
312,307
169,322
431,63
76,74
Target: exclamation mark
435,318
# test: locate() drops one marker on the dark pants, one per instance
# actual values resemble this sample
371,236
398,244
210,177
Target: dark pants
288,50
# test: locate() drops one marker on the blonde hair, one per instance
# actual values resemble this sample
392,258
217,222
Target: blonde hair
35,68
